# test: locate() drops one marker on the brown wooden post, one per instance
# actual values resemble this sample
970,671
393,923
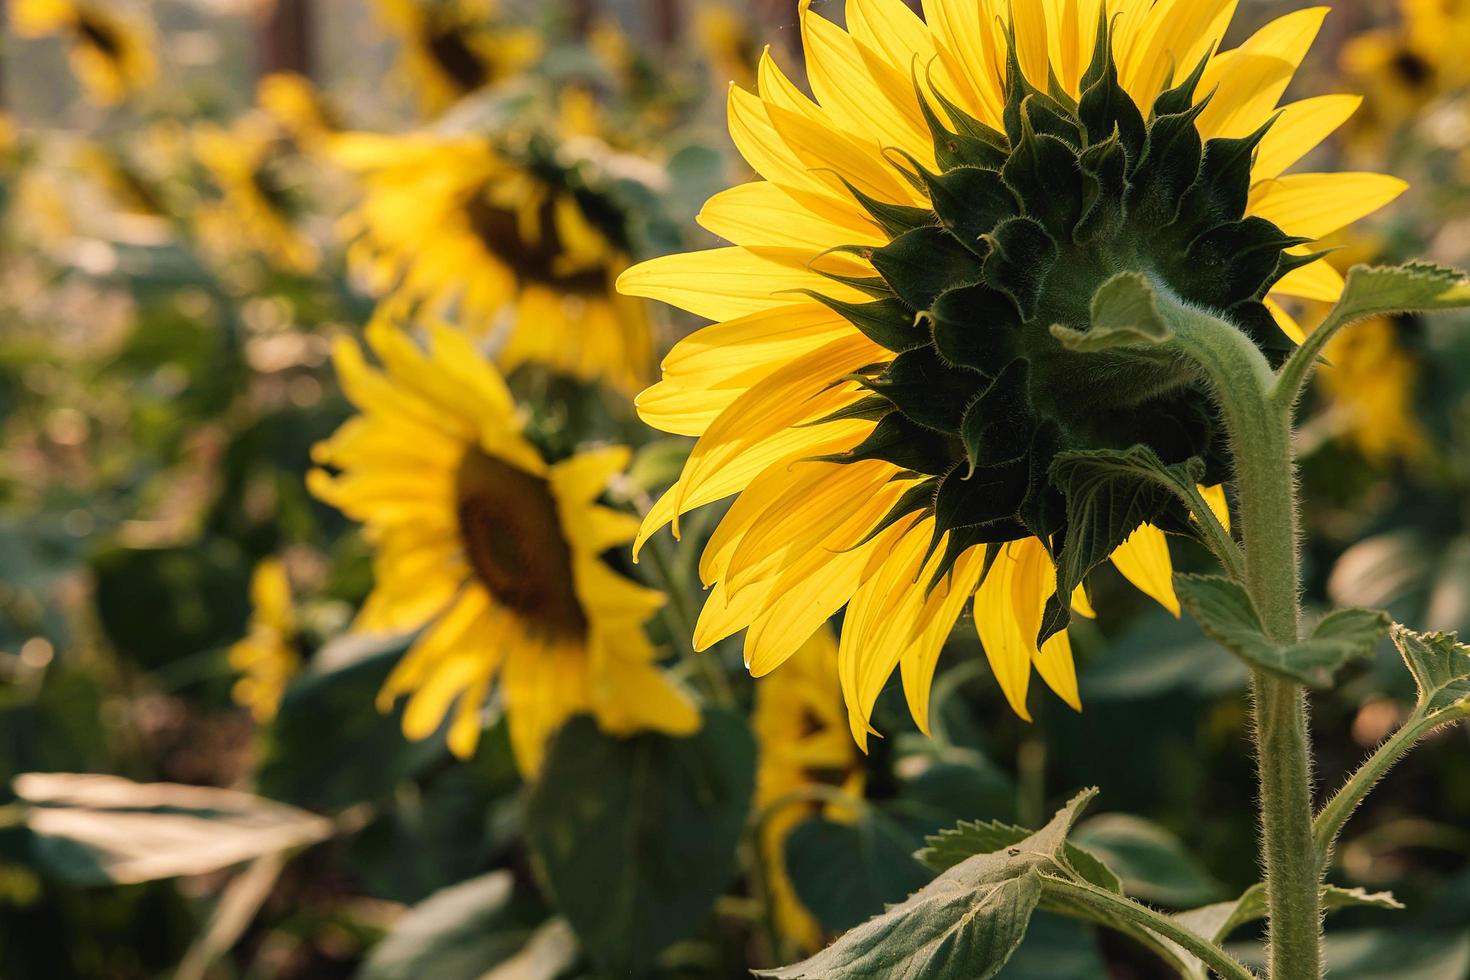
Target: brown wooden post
668,21
286,38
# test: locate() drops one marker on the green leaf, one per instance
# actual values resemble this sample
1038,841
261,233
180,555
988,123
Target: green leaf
328,747
966,923
96,829
1219,921
1152,863
657,465
635,838
462,933
1418,287
846,873
1125,313
1109,495
1226,613
1441,668
968,838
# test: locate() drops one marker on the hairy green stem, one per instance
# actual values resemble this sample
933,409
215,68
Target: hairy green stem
1341,807
1114,906
1242,382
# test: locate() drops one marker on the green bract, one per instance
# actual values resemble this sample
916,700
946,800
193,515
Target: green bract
1021,308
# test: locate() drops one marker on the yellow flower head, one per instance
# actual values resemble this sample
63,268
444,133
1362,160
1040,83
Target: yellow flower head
800,724
523,252
1411,63
729,43
1369,383
267,656
297,108
452,48
254,206
883,390
109,53
491,550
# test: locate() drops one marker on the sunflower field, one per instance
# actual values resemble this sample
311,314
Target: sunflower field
693,489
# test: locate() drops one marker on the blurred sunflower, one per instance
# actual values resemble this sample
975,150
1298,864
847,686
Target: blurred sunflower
256,206
799,722
297,108
267,655
1403,67
521,250
731,48
1369,384
492,550
110,53
451,48
884,392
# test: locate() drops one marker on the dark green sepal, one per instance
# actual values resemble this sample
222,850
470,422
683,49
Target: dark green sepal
975,145
986,502
1291,262
1223,188
1018,89
894,219
1181,98
886,322
976,327
1170,164
1232,263
874,286
928,391
996,426
1043,172
1105,109
1042,114
1044,511
905,444
1021,257
1104,169
970,202
917,499
921,264
873,408
1109,495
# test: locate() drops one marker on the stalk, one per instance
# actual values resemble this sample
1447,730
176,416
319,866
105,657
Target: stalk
1265,471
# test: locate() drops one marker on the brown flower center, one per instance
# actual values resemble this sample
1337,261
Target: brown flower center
1413,69
100,36
511,531
458,60
530,261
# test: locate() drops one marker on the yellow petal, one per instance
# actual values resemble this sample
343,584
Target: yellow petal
1316,205
725,283
1302,127
1144,560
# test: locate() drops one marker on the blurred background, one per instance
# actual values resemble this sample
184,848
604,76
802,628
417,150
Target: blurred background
207,789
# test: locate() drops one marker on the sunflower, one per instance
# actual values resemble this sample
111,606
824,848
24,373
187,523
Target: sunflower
883,391
1407,65
516,247
799,722
256,205
492,551
267,655
452,48
109,53
1369,384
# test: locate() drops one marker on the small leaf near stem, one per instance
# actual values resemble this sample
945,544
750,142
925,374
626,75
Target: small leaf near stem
1226,613
1441,668
1165,926
1418,287
967,922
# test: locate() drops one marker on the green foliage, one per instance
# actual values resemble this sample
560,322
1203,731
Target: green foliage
325,750
967,923
636,837
1151,863
846,872
460,933
1226,612
1109,495
1441,668
1125,313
